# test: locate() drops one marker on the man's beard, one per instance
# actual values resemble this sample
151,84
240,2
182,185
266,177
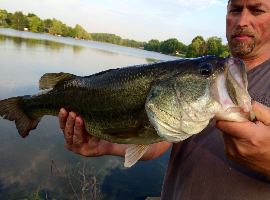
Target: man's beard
241,48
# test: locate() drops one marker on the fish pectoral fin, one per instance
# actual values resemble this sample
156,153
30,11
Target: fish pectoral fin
50,80
134,153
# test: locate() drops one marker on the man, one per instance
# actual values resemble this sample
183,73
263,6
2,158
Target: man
198,167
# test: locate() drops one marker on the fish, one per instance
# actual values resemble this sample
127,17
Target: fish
143,104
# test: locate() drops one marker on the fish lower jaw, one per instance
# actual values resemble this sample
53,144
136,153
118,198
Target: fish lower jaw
179,131
167,132
171,135
236,113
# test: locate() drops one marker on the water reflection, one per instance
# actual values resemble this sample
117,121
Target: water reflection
78,49
35,43
25,164
3,38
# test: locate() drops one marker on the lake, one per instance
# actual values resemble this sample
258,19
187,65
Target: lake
26,165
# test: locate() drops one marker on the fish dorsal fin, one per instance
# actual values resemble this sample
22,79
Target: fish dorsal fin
50,80
134,153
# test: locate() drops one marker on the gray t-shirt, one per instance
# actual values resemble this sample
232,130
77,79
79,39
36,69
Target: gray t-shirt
199,169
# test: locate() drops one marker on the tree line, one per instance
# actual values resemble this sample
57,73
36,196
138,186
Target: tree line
198,47
114,39
19,21
212,46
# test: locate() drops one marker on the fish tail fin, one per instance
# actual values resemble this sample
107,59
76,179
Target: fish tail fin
11,109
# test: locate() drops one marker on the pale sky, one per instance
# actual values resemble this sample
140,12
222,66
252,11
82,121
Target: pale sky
134,19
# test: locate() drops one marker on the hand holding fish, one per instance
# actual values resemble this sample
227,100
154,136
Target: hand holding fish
248,143
81,142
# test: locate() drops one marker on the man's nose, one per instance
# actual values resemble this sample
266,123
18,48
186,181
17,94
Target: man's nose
244,19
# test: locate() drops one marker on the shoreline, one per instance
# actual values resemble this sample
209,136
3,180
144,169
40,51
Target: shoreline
176,55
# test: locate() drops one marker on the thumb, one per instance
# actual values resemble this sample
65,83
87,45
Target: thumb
262,112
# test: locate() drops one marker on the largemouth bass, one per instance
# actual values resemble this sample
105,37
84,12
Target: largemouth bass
142,104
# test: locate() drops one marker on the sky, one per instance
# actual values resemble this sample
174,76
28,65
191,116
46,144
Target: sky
140,20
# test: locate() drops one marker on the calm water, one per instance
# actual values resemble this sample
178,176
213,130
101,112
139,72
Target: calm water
25,164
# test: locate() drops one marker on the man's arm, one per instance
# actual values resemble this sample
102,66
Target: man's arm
81,142
248,143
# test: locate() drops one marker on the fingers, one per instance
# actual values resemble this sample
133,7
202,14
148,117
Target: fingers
262,112
246,129
236,129
78,137
66,122
69,128
73,129
63,114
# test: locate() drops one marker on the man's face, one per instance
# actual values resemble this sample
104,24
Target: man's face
248,27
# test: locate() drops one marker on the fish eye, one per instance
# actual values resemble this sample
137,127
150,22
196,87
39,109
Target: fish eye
153,95
206,69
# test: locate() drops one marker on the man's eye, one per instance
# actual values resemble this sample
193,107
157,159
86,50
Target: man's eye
258,11
235,10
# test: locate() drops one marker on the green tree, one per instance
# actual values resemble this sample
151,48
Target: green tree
36,24
3,16
198,38
48,23
114,41
8,20
71,32
126,42
81,33
65,30
182,47
169,46
226,47
18,20
224,54
153,45
219,44
191,51
121,42
86,35
57,27
31,15
200,45
78,31
106,37
212,46
134,44
28,19
109,38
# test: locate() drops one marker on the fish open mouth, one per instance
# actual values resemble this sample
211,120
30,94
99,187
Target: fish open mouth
232,93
